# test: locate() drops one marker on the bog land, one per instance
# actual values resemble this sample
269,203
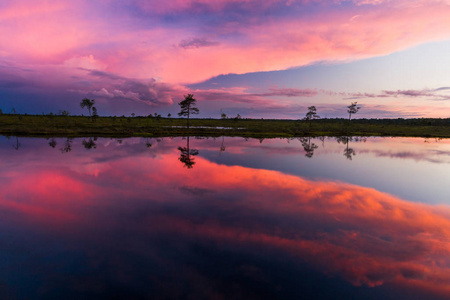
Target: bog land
82,126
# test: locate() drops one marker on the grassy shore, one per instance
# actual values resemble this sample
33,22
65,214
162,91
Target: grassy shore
80,126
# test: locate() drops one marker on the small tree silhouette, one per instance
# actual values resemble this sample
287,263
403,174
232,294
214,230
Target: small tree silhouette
94,113
311,115
87,103
63,113
188,107
352,109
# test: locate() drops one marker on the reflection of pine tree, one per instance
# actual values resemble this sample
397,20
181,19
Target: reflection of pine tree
222,145
348,152
308,146
148,144
67,146
52,143
90,144
185,155
17,145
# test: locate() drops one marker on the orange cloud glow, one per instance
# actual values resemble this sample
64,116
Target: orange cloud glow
362,235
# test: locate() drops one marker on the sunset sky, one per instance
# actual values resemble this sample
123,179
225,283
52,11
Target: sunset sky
269,59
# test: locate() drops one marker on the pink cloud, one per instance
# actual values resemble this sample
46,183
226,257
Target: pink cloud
207,5
280,44
62,32
134,41
434,94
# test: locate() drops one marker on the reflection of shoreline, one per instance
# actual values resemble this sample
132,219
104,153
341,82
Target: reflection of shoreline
404,148
359,234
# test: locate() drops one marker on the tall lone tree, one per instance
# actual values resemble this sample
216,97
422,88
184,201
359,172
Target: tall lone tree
352,109
188,107
311,114
87,103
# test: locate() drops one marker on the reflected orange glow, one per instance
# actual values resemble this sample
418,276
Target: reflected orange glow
45,196
364,236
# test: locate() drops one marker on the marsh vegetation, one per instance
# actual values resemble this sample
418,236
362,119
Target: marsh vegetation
80,126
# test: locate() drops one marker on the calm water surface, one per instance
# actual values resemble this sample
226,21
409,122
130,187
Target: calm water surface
225,218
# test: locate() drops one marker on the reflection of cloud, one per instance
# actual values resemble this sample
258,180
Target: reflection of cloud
434,156
376,237
400,149
195,190
359,234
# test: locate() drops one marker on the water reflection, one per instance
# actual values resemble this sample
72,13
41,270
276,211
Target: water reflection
187,155
308,147
89,144
16,145
147,143
123,222
52,143
67,146
348,151
222,145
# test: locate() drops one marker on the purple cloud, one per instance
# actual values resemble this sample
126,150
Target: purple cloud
410,93
430,93
197,43
112,86
290,92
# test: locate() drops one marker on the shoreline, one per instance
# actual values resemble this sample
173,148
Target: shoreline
82,126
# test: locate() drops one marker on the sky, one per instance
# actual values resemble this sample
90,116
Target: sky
259,59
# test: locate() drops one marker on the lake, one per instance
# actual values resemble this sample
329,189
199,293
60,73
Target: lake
225,218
